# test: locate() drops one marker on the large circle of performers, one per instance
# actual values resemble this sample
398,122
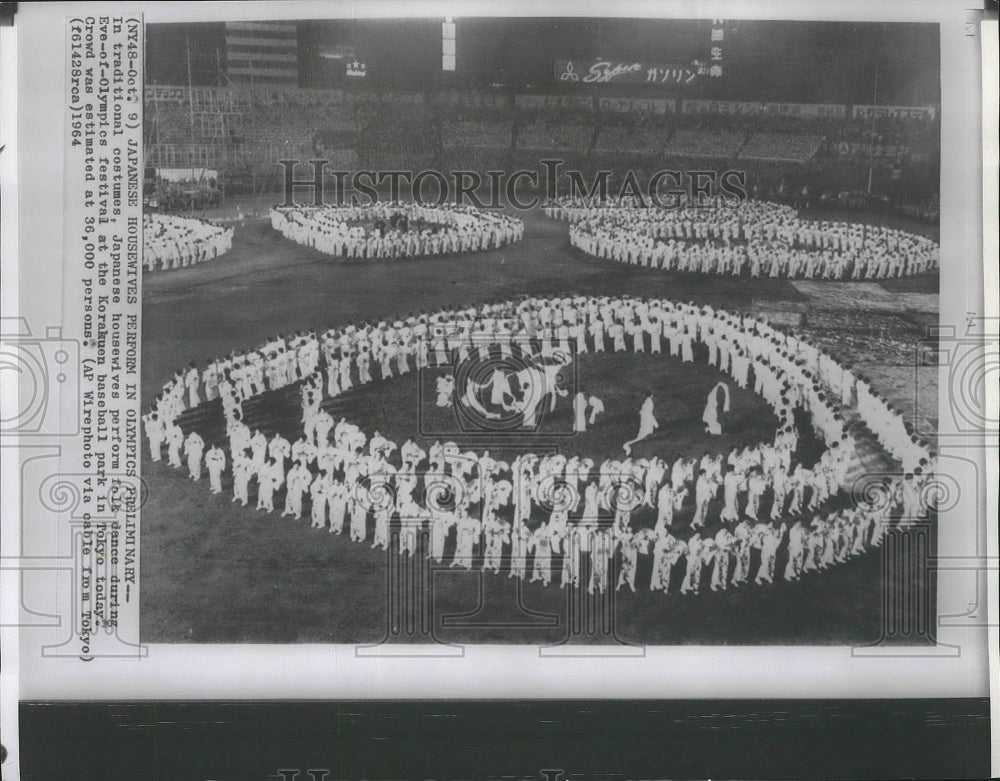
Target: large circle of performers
748,238
554,517
396,230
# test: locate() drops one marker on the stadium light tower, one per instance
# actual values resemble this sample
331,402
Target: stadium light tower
448,44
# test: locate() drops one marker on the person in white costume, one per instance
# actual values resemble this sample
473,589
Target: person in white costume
580,413
215,462
647,423
445,387
596,408
194,446
711,415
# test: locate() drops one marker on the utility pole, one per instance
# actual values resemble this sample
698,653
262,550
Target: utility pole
871,140
190,87
187,41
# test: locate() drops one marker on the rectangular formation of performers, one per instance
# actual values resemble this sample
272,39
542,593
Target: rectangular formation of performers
522,514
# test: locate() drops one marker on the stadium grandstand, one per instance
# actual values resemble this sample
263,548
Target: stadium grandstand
243,133
787,139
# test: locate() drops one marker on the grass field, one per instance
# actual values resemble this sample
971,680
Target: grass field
213,572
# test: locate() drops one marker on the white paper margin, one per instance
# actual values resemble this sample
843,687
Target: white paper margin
314,671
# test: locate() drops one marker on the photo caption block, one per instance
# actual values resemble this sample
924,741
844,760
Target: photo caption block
101,307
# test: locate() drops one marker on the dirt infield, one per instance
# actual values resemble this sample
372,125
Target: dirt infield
213,572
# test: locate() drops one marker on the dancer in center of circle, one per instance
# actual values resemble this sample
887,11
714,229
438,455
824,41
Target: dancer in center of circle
647,423
716,406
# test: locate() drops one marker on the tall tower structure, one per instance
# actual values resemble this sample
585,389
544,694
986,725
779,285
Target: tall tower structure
262,53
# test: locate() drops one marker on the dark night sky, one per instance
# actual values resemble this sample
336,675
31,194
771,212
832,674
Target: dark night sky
790,61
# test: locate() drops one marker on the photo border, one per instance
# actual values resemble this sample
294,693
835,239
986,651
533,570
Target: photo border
320,671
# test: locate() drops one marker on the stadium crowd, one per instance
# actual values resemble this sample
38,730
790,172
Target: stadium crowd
781,146
477,134
631,139
538,513
554,134
704,143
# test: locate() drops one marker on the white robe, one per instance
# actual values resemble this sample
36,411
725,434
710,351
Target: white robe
579,413
711,415
647,423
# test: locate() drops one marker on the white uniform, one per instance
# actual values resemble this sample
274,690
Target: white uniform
215,462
